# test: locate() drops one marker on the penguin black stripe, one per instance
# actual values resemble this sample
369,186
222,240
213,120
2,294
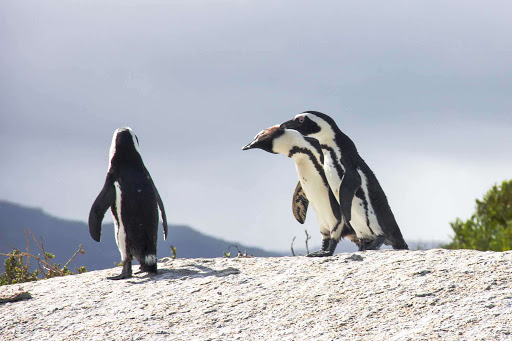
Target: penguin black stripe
361,196
333,156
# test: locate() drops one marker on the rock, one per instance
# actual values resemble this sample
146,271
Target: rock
390,295
354,257
13,294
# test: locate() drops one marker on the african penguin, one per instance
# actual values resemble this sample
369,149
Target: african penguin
362,200
134,201
312,187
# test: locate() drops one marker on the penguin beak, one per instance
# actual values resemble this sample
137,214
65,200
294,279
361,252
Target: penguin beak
250,145
291,124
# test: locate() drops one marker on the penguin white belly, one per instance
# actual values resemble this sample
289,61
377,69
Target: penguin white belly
318,196
120,231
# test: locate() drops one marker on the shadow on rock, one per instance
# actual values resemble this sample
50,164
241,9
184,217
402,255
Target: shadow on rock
189,271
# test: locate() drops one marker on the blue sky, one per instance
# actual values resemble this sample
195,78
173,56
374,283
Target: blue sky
423,88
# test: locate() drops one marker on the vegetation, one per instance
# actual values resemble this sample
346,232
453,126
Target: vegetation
17,264
308,237
490,227
239,253
173,252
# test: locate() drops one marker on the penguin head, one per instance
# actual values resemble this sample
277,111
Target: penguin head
279,140
311,123
265,139
124,147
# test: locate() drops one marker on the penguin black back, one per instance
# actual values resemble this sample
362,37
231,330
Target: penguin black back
134,201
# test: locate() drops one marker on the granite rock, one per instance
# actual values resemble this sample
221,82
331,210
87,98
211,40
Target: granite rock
373,295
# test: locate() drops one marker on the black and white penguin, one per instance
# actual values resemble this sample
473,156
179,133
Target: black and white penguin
312,187
362,200
134,201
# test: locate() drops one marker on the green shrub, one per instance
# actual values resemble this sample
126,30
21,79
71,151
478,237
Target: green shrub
17,265
490,227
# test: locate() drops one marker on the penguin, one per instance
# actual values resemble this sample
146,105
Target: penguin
312,188
132,196
362,200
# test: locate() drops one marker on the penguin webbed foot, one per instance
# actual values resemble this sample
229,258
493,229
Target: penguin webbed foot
319,253
126,273
149,272
150,268
371,244
328,247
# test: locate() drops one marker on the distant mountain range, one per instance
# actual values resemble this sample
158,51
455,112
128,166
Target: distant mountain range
62,238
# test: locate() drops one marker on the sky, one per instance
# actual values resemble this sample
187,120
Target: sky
423,89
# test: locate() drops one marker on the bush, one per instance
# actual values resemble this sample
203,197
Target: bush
17,264
490,227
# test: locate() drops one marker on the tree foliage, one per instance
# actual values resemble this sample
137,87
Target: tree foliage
490,227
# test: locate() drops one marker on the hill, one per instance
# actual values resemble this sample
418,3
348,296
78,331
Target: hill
62,238
372,295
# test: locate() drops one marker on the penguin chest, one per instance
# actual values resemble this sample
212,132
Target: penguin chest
317,194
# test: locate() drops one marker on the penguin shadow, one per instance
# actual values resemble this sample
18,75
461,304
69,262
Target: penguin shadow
184,273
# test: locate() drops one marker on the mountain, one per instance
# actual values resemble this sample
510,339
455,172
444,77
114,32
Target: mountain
62,238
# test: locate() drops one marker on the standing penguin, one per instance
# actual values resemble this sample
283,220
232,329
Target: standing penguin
307,154
134,201
362,200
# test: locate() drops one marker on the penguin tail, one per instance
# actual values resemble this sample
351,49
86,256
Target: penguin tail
148,264
400,245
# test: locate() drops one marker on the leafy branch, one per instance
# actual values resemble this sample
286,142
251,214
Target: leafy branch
17,264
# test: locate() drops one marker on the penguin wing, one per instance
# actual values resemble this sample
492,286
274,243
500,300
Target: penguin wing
160,204
300,204
162,213
102,203
349,185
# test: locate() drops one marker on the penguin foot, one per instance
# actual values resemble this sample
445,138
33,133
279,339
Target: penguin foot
320,253
371,244
148,271
377,243
120,276
328,247
126,273
325,244
364,243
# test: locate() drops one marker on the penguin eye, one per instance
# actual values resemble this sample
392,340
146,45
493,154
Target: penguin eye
300,119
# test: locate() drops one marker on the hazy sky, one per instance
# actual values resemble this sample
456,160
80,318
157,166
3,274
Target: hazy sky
423,88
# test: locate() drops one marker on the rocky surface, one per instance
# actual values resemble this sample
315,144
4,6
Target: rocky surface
373,295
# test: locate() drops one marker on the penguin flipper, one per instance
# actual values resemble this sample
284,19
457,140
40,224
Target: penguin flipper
349,185
335,206
102,203
300,204
160,204
162,213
